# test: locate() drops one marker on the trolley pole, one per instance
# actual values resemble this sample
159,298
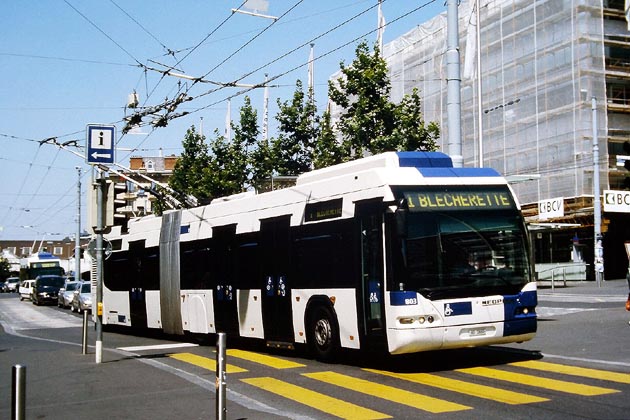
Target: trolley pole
221,380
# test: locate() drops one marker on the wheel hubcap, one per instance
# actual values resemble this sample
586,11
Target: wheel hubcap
323,332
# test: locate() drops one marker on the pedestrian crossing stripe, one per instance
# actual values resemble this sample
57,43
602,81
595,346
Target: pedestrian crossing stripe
605,375
400,396
263,359
316,400
462,387
204,362
537,381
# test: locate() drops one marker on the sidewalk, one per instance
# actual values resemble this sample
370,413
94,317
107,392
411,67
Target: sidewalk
617,287
62,383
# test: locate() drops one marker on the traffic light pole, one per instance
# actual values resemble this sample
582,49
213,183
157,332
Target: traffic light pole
97,306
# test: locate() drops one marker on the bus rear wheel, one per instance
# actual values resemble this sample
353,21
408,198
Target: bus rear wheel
323,334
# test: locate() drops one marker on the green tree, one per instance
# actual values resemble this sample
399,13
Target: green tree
411,132
229,170
363,92
187,178
226,170
293,148
327,151
5,268
262,162
370,121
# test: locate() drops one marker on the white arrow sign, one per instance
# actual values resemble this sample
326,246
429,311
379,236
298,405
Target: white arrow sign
101,155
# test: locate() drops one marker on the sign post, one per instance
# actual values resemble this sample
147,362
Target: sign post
99,151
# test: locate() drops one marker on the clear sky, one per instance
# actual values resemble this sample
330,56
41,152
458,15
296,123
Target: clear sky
69,63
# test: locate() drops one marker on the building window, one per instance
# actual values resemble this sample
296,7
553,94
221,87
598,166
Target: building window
57,250
150,165
11,249
25,250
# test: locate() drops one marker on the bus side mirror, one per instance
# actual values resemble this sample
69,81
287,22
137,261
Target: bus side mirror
401,222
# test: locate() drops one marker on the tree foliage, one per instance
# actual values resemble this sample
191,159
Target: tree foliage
327,151
363,92
293,148
370,123
188,174
5,268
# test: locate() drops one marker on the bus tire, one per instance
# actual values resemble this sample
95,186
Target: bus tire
323,333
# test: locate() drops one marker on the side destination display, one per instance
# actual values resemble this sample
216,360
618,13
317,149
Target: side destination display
459,199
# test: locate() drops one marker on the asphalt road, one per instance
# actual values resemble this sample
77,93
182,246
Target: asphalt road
578,366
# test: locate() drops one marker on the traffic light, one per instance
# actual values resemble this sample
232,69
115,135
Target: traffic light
107,203
120,211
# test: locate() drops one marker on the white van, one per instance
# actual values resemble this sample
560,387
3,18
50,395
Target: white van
26,287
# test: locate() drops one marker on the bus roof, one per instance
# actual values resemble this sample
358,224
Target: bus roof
429,164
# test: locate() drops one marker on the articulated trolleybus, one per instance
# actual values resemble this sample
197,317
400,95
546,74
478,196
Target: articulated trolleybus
399,252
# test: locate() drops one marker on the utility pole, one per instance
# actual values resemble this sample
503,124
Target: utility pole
98,305
77,242
597,206
453,85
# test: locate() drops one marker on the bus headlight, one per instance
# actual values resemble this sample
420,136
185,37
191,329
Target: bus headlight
421,319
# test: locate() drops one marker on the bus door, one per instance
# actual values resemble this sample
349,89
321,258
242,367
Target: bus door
223,254
137,285
276,290
369,222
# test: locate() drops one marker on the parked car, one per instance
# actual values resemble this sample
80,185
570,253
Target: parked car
26,289
1,286
46,289
66,293
11,284
82,299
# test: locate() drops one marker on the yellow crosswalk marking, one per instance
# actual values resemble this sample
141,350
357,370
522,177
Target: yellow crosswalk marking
605,375
476,390
204,362
263,359
536,381
316,400
401,396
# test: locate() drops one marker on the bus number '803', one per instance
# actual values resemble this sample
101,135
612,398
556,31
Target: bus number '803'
411,301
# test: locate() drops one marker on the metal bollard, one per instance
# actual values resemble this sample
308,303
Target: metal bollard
85,333
221,409
18,393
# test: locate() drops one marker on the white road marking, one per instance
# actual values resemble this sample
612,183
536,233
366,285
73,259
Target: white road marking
549,312
157,347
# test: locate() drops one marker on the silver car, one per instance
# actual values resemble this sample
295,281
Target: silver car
82,298
11,284
66,294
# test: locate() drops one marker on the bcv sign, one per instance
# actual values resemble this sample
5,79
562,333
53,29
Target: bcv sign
617,201
548,209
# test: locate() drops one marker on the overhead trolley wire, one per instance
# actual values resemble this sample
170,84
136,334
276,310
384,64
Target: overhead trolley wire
103,32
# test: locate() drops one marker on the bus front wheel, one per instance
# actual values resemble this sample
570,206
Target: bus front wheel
323,336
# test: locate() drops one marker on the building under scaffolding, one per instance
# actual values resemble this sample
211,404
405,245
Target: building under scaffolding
541,63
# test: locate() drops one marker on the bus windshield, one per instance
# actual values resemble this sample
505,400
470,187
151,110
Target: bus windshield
449,252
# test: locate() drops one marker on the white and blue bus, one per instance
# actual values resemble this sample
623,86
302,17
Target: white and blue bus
399,252
38,264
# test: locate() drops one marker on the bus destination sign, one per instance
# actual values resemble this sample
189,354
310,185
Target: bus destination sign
323,210
458,200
